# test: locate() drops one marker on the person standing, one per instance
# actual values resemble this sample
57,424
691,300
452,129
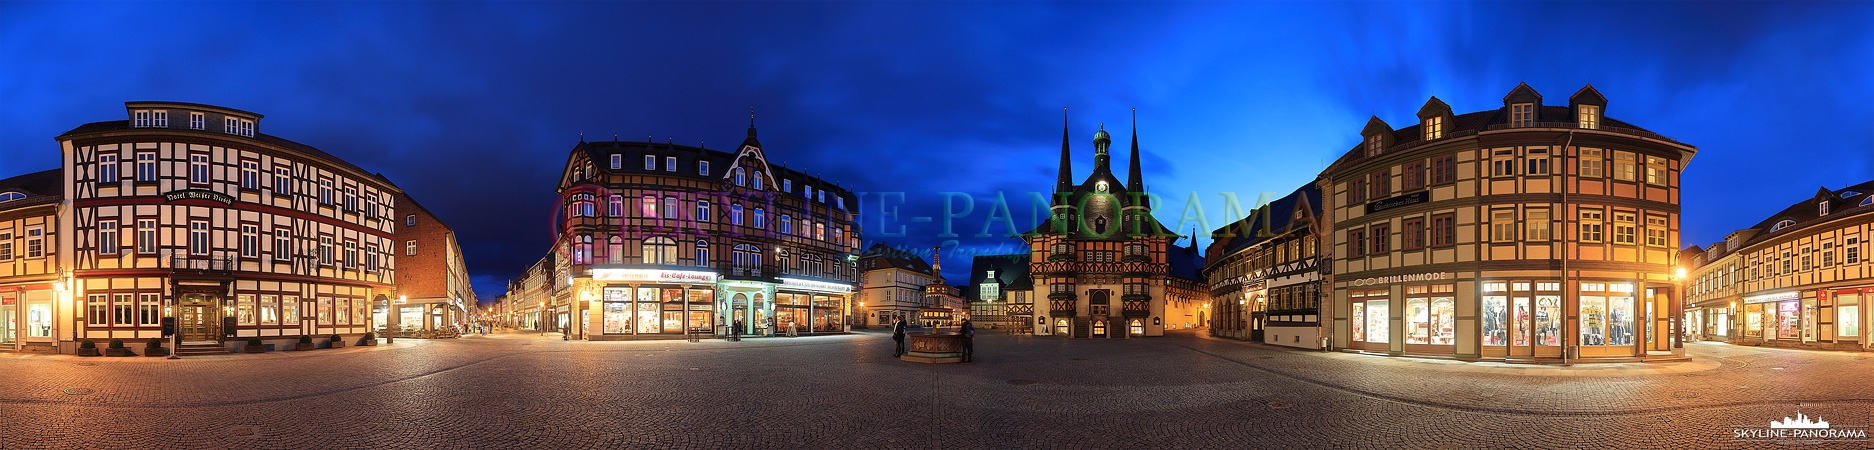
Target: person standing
735,332
969,340
897,334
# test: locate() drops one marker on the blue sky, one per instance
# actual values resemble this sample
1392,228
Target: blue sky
473,104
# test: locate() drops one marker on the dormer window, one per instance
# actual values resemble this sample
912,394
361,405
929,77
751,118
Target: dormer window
141,118
702,168
618,161
1590,117
1823,207
1780,225
1867,201
198,121
670,163
11,196
238,127
1434,127
650,162
1523,115
159,119
1372,145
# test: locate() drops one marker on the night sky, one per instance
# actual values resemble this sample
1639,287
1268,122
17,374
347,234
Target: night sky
473,107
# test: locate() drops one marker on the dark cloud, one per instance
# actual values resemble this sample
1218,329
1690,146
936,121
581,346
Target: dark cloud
472,107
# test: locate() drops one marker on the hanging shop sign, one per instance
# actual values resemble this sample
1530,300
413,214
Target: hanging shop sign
198,194
1773,297
654,275
812,285
1401,279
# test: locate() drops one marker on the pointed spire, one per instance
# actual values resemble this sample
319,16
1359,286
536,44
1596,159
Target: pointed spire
1066,181
1135,181
751,142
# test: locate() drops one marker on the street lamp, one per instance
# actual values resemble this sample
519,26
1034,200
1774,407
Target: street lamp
540,313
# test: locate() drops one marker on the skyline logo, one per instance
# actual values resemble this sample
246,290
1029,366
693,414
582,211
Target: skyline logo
1799,429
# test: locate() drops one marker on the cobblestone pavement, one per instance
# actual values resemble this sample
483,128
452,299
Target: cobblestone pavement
1180,391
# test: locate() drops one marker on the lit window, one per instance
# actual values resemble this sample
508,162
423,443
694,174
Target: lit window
1593,162
1591,225
1523,115
1590,117
660,250
1503,225
409,248
1656,170
1625,167
1625,229
1537,220
1372,145
650,206
1434,127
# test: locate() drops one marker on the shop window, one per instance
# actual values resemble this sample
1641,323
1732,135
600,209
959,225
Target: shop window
1848,317
1495,324
1430,314
1607,314
1370,315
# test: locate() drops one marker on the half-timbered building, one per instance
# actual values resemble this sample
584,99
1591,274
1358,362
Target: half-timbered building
30,286
1264,273
660,240
189,211
1529,232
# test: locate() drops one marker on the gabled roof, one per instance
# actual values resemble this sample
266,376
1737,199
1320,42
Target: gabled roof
42,187
1434,107
1587,96
1470,124
1268,222
883,256
1842,202
1522,94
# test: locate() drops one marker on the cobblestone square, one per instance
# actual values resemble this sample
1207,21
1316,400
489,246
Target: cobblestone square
1184,390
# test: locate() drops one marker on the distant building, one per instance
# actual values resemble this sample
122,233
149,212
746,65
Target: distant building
1797,278
996,281
891,285
434,292
30,285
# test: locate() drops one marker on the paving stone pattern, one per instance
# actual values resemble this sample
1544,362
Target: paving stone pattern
1182,391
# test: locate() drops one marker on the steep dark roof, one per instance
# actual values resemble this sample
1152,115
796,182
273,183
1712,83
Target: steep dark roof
1186,262
883,256
117,125
1471,123
1268,222
40,187
1842,202
1008,269
599,152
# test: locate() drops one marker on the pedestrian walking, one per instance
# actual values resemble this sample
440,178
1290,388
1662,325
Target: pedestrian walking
897,334
735,332
969,340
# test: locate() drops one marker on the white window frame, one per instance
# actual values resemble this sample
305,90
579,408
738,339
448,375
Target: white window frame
618,161
650,162
107,237
282,180
198,121
146,166
159,119
198,168
140,118
107,167
409,247
670,164
198,237
702,168
1589,117
250,240
282,243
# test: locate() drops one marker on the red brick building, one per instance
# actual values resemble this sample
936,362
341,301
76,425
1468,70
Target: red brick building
433,292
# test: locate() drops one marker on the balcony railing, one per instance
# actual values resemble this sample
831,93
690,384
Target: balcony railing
201,263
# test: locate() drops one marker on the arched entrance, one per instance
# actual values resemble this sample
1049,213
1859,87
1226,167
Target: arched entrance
1063,327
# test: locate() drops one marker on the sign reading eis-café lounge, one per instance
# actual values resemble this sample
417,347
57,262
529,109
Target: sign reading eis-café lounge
654,275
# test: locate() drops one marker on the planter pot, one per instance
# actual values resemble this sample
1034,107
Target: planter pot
159,351
87,351
338,344
368,343
254,349
304,347
116,352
